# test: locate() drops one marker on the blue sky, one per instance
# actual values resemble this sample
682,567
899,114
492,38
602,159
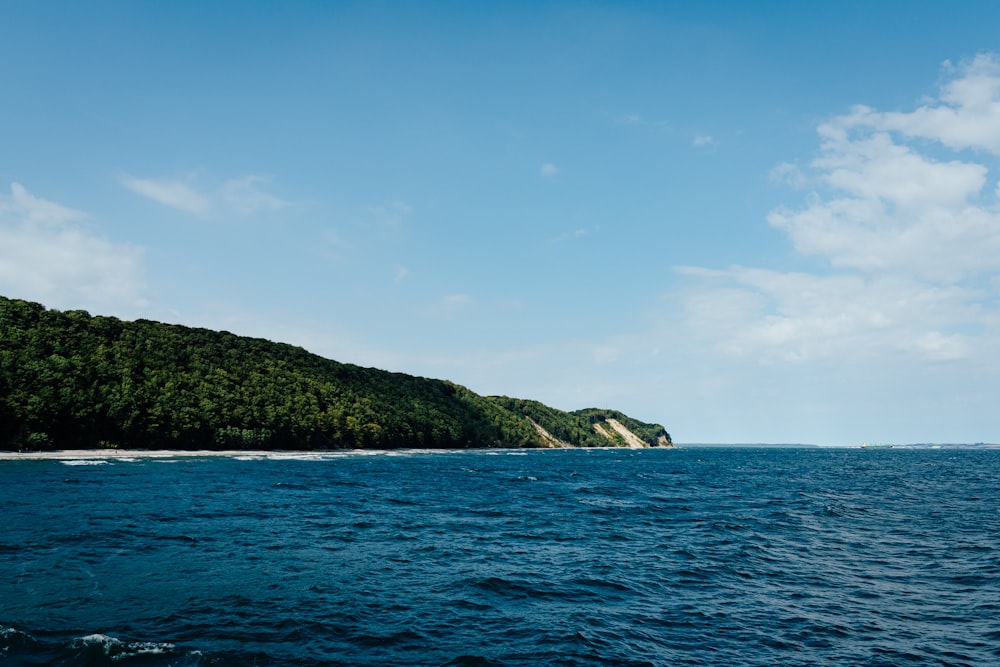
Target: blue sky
750,222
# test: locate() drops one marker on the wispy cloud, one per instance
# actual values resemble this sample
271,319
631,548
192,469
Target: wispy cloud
390,214
703,140
172,193
548,170
333,247
910,236
25,208
246,195
457,300
636,120
789,174
576,234
47,254
241,196
450,305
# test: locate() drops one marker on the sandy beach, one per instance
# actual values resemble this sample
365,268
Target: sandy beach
97,455
111,454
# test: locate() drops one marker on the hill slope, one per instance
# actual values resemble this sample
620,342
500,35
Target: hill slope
69,381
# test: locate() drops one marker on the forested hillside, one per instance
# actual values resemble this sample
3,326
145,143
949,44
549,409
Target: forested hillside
69,380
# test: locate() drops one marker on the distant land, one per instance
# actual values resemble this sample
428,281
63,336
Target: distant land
792,445
70,381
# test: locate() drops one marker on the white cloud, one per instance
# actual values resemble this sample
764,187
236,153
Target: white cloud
772,316
875,167
548,170
966,114
22,205
242,196
888,206
48,255
911,239
703,140
175,194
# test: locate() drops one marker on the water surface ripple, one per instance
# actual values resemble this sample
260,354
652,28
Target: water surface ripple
627,557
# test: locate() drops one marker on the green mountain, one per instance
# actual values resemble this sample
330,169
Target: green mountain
72,381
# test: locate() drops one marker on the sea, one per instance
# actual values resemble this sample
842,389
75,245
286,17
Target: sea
658,557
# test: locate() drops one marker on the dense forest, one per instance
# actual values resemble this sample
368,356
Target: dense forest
69,380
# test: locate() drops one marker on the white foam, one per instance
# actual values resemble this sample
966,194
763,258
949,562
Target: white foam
84,462
117,650
299,456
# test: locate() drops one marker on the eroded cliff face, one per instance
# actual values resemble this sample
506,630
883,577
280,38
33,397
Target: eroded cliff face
549,439
612,430
617,433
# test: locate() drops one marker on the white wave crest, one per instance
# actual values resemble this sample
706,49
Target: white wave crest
117,650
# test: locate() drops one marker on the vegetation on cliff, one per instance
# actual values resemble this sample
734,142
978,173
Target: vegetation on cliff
69,380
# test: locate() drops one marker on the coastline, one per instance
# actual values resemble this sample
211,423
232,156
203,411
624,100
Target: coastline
96,454
134,454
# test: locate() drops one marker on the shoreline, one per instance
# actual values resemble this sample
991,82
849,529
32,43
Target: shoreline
132,454
95,454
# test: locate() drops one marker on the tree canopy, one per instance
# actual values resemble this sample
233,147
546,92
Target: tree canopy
69,380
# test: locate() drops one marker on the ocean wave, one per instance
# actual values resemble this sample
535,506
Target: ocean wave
12,640
117,650
738,558
96,650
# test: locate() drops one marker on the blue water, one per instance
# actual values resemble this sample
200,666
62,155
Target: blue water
624,557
